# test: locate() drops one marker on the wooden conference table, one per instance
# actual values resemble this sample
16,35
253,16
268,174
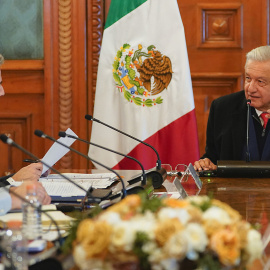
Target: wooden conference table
249,196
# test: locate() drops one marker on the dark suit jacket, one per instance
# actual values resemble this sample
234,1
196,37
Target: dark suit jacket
226,128
4,181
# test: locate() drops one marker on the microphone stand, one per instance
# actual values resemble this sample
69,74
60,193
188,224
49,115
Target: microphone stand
9,141
143,178
58,245
158,175
40,133
248,117
90,118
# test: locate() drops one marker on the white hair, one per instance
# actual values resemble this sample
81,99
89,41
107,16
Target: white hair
260,54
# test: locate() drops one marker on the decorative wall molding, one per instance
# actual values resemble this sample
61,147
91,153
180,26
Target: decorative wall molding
18,127
95,30
65,72
220,25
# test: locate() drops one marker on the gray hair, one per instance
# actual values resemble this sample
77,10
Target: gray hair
260,54
1,59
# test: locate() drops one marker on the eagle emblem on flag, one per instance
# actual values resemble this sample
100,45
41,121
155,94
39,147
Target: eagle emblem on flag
141,74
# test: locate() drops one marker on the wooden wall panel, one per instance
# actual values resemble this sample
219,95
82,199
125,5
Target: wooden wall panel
56,92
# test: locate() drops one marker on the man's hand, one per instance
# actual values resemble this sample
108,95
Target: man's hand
42,195
204,164
31,172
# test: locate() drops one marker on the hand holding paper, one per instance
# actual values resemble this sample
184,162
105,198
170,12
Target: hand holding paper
57,151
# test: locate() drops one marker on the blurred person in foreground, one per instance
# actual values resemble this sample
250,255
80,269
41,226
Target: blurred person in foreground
227,122
29,173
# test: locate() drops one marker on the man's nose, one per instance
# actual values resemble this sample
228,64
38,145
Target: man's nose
252,86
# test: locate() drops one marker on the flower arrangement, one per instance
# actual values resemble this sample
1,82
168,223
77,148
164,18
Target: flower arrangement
161,233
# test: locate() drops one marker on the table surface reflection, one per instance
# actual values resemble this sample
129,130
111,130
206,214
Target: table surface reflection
249,196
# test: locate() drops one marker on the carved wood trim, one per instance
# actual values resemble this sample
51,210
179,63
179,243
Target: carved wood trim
220,25
65,72
95,30
17,126
95,23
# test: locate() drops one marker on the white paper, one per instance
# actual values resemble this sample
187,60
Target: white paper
57,151
56,185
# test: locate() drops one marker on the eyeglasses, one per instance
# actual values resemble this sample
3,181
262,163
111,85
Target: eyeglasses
179,169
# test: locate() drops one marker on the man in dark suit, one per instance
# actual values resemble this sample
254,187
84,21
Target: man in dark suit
227,123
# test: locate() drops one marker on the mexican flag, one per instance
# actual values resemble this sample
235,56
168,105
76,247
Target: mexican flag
144,87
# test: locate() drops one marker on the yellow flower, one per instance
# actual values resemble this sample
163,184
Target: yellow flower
211,226
226,244
128,207
88,230
174,203
167,228
232,213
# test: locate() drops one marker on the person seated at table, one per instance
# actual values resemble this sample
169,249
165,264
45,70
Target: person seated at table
227,122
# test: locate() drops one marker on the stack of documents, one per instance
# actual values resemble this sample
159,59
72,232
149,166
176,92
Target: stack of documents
57,186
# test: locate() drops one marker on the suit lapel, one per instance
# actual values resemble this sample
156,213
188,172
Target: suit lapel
239,125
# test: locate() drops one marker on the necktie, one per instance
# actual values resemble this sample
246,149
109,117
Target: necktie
265,119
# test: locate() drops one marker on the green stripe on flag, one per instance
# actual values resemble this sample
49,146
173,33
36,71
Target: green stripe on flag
120,8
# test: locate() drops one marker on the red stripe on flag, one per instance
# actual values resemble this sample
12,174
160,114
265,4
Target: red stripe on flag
176,143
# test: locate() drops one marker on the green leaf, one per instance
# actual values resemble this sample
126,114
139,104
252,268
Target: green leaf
134,82
209,262
131,73
128,60
151,47
127,95
159,100
137,100
140,90
119,54
152,204
126,46
115,64
141,239
148,103
117,79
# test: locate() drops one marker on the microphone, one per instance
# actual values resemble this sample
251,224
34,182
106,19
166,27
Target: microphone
5,139
158,164
247,139
158,175
41,134
9,141
143,177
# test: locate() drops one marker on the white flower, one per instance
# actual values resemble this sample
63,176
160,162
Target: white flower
177,246
123,236
156,255
196,236
254,245
145,223
79,255
111,218
149,247
216,213
170,213
199,200
170,264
